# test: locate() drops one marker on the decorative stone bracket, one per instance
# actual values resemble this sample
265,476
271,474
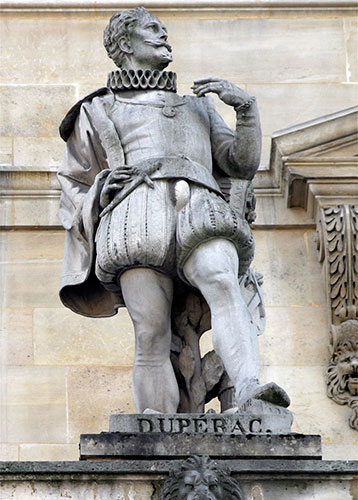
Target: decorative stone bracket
200,478
319,162
338,251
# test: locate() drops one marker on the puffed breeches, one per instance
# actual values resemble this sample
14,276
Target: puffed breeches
146,230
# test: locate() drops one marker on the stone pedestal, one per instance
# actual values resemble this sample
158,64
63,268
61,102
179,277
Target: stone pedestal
198,448
152,457
179,436
165,445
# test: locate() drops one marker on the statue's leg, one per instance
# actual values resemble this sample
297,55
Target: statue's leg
148,297
213,269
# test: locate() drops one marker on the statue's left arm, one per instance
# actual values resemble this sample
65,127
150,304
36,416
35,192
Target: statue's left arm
237,153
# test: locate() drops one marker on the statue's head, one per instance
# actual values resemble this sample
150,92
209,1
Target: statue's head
136,39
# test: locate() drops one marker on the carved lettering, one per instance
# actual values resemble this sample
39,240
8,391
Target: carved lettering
183,424
145,425
255,425
163,427
200,425
219,425
238,427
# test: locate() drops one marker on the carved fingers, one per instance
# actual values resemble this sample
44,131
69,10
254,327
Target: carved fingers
114,183
121,174
227,91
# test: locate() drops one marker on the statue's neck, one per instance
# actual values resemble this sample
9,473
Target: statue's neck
142,79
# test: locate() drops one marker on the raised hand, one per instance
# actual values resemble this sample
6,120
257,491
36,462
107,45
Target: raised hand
227,91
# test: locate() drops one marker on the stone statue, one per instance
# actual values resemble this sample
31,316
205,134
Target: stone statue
146,214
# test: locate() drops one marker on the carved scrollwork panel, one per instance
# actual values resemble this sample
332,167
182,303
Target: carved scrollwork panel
354,244
338,251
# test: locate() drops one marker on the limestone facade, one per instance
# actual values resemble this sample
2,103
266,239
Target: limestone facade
62,374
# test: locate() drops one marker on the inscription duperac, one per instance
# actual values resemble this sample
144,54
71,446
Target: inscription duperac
202,423
193,424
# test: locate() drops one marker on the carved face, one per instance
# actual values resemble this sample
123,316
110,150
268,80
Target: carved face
342,372
199,479
198,485
347,371
147,45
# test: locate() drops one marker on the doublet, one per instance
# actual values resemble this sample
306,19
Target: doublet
147,228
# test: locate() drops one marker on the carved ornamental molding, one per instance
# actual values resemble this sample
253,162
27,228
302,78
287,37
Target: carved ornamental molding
162,5
312,165
338,251
317,162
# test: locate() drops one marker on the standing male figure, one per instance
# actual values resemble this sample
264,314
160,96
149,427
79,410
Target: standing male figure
143,210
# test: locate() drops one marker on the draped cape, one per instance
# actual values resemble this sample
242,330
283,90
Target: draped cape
81,177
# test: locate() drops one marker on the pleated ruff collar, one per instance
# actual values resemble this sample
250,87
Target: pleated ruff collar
142,79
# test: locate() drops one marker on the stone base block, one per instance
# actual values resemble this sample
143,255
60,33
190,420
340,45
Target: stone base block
182,445
259,417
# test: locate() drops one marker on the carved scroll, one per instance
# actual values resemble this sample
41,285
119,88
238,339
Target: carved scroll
338,251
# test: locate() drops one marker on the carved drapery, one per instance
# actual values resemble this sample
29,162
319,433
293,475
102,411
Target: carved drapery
338,251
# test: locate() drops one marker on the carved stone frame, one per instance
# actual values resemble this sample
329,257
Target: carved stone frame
337,244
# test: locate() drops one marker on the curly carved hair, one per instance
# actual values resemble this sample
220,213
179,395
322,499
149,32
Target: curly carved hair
344,352
226,486
119,26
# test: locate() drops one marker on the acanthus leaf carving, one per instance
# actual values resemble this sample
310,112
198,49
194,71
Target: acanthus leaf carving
338,250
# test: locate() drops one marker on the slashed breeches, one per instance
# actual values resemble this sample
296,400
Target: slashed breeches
146,230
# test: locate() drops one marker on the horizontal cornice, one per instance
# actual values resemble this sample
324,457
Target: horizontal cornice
163,5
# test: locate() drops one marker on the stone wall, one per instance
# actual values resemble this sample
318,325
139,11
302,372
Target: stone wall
138,480
300,64
62,374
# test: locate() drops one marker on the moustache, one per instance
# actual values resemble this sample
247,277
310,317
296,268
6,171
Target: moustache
159,43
